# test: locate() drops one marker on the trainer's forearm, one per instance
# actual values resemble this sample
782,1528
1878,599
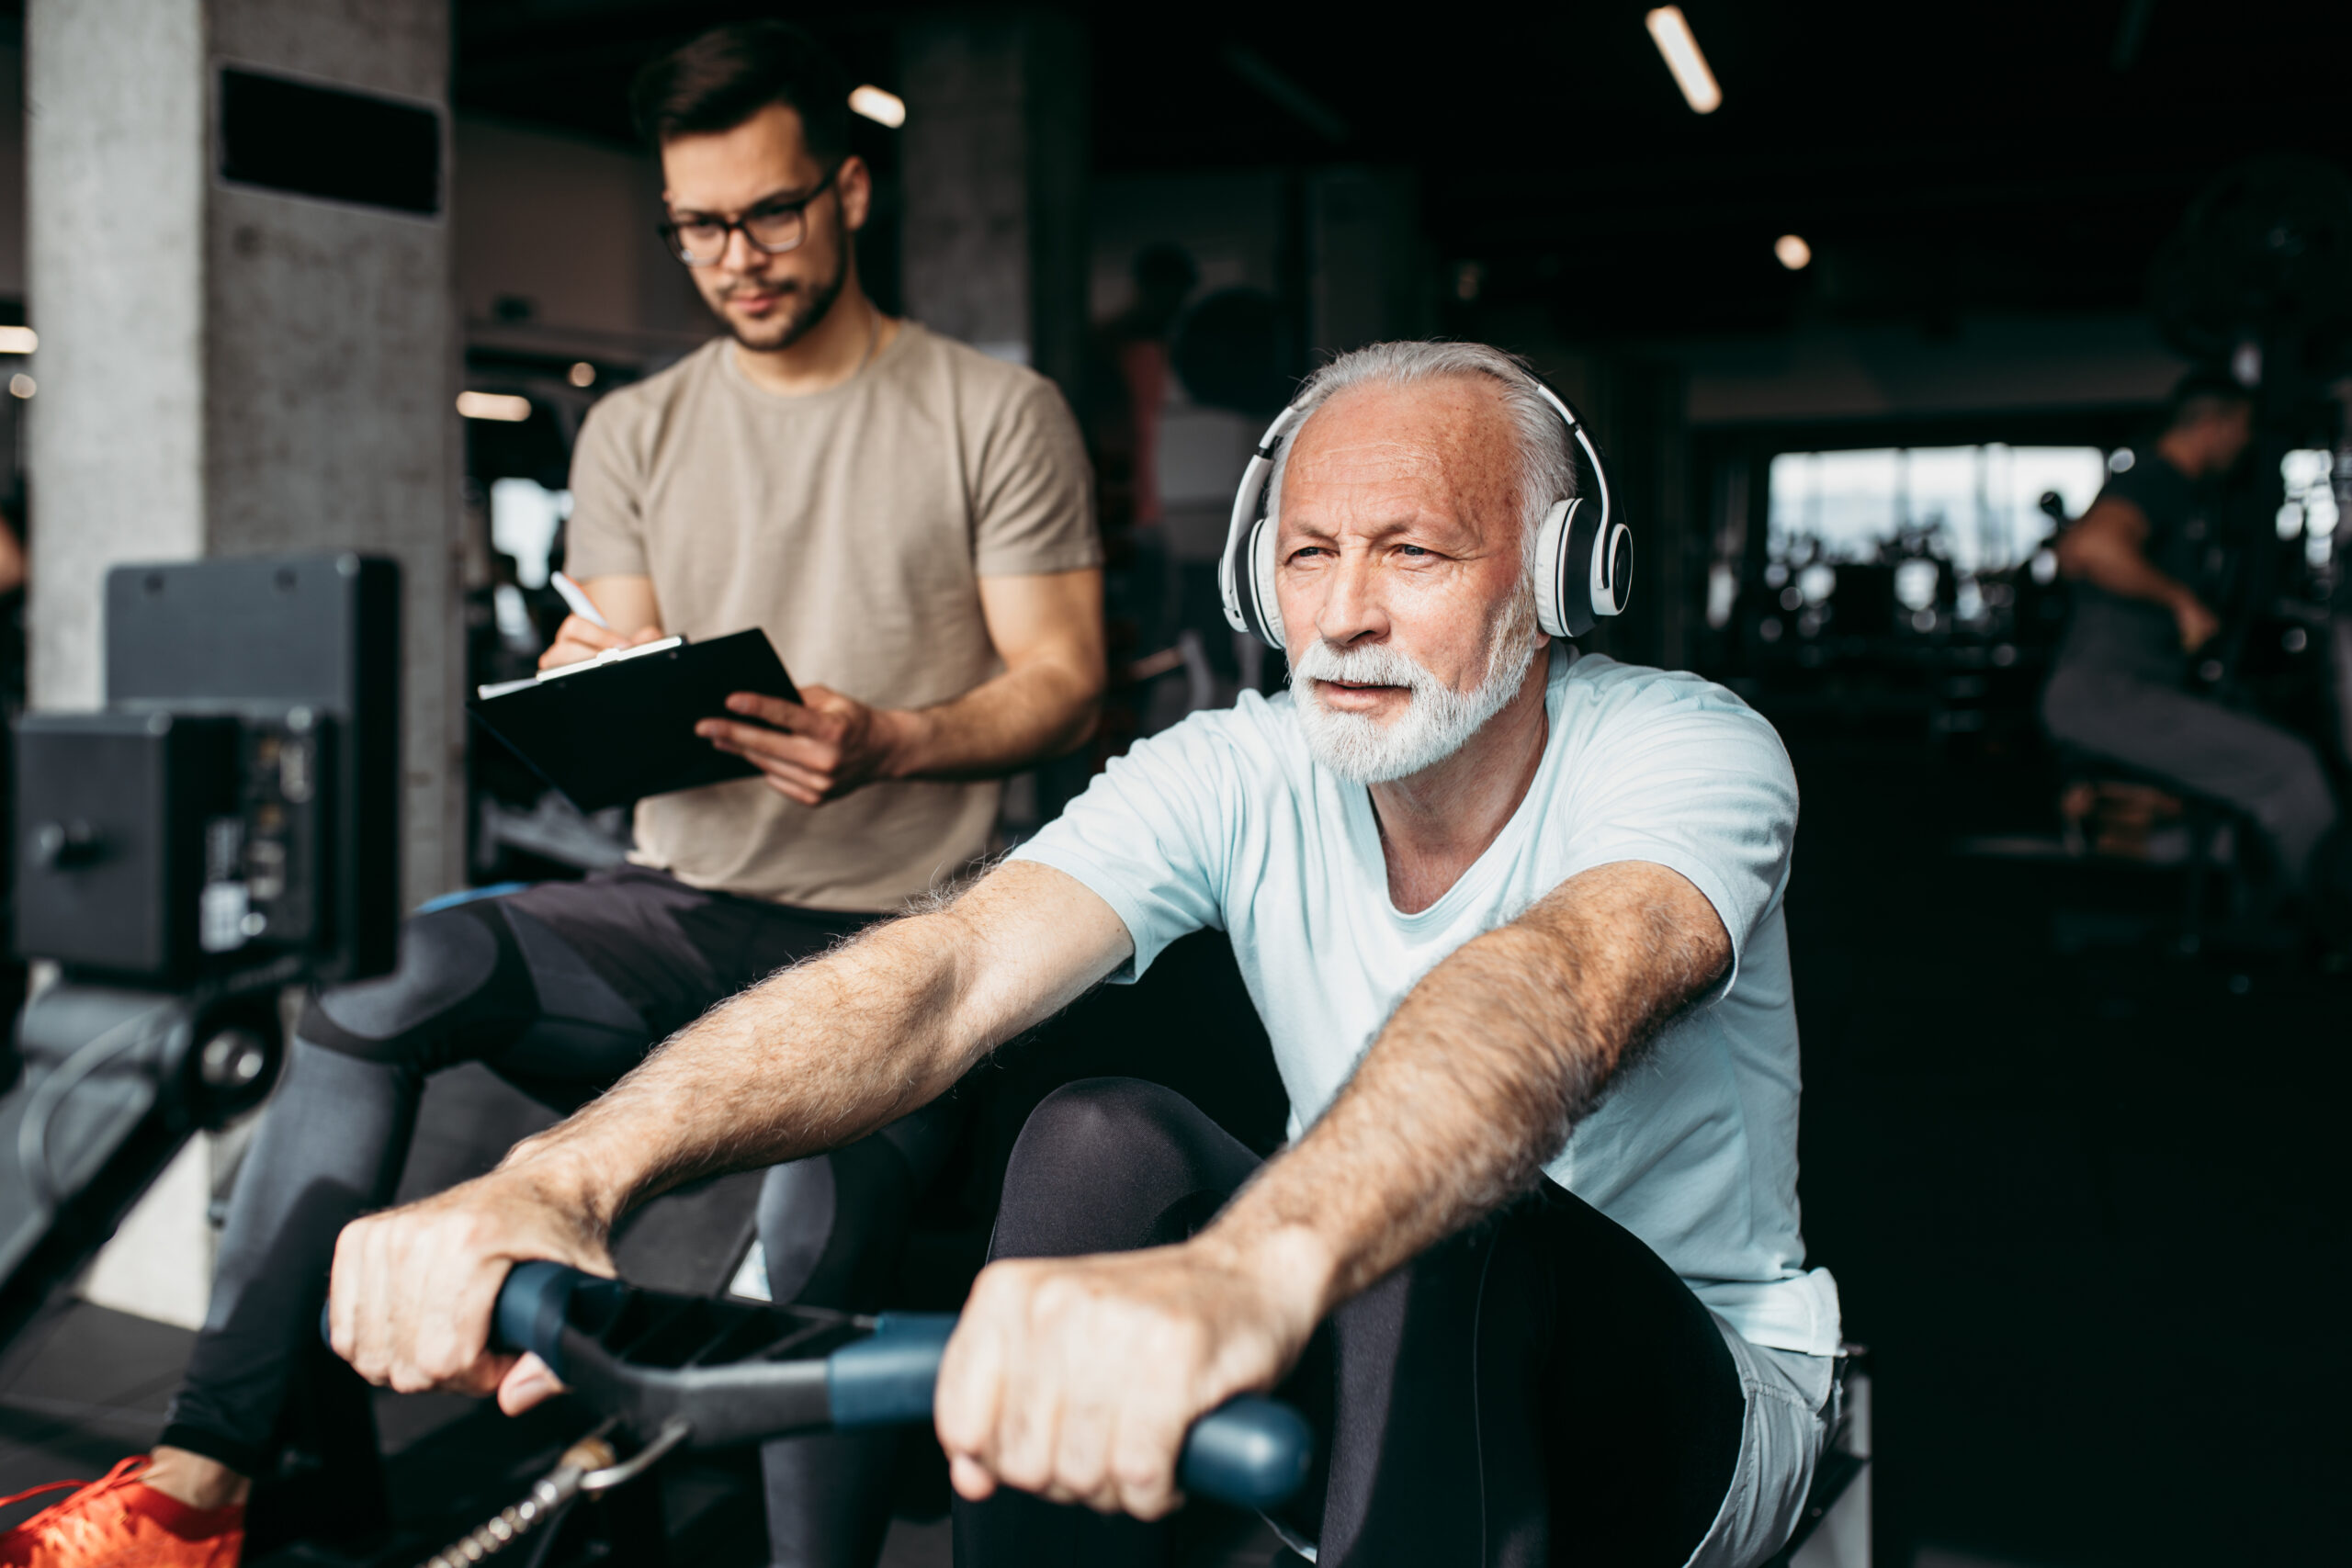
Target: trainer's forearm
1022,717
1478,1078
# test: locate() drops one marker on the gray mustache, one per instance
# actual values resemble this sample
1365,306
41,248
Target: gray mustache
1375,666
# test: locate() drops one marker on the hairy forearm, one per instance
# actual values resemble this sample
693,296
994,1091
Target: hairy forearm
1025,716
832,1049
813,1058
1480,1077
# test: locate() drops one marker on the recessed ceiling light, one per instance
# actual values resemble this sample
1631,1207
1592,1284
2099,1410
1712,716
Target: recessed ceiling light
881,107
494,405
1794,253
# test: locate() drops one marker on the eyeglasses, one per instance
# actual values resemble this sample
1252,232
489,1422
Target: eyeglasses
773,227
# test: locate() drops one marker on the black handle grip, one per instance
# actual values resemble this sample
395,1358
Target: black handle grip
1251,1450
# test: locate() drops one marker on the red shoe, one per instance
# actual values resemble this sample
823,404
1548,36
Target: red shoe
119,1521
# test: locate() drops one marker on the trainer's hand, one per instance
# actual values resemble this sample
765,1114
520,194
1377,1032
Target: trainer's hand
1077,1378
835,744
412,1290
577,639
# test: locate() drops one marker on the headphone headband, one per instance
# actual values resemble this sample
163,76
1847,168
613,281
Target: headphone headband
1583,557
1577,433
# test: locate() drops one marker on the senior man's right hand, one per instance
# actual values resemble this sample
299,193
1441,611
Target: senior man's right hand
414,1288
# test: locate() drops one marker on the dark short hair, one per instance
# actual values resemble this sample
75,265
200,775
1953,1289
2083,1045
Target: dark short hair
2204,394
720,80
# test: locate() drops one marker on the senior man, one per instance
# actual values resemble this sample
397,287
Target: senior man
1512,919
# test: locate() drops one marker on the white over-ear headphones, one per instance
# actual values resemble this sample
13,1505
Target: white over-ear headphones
1584,557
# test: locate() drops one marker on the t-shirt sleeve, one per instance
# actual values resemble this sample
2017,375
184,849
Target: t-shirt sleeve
1701,785
605,535
1033,495
1154,835
2152,485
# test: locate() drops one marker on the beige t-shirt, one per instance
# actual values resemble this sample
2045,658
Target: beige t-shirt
853,526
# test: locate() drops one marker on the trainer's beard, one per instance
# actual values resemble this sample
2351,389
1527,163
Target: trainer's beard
790,326
1437,722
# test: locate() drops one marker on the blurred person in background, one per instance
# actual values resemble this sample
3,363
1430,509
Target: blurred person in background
1124,395
905,517
1135,343
2119,688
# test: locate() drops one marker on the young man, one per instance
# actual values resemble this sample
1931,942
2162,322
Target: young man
1512,919
910,522
2120,689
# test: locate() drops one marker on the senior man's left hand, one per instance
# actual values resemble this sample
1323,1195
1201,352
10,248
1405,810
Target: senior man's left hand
1077,1378
834,743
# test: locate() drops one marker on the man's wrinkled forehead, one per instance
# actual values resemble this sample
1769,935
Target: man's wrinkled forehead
1446,442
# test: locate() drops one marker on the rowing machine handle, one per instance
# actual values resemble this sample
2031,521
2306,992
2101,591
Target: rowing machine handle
1251,1450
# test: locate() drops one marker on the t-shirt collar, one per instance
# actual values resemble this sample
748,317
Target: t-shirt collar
732,370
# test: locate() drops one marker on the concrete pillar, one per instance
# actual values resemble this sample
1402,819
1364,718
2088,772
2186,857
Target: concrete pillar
229,367
226,368
995,163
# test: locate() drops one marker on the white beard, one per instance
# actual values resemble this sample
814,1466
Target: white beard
1437,722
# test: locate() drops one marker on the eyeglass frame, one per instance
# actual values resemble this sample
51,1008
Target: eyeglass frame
731,227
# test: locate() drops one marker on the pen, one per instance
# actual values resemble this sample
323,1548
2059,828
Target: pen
576,599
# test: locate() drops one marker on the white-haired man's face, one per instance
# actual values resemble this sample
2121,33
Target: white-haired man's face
1400,569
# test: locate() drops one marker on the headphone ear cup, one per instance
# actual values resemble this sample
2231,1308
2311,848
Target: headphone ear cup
1266,608
1228,591
1612,571
1559,588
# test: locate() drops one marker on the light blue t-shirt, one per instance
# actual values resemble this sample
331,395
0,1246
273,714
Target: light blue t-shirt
1226,821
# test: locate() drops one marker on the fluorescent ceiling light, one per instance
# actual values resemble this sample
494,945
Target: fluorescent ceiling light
1675,41
18,340
1794,253
881,107
494,405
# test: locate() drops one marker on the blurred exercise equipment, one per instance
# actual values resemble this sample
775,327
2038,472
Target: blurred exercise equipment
226,826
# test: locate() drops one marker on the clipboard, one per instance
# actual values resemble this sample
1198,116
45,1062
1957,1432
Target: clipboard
620,726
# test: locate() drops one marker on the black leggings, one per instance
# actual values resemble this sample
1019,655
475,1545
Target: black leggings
1539,1388
559,989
